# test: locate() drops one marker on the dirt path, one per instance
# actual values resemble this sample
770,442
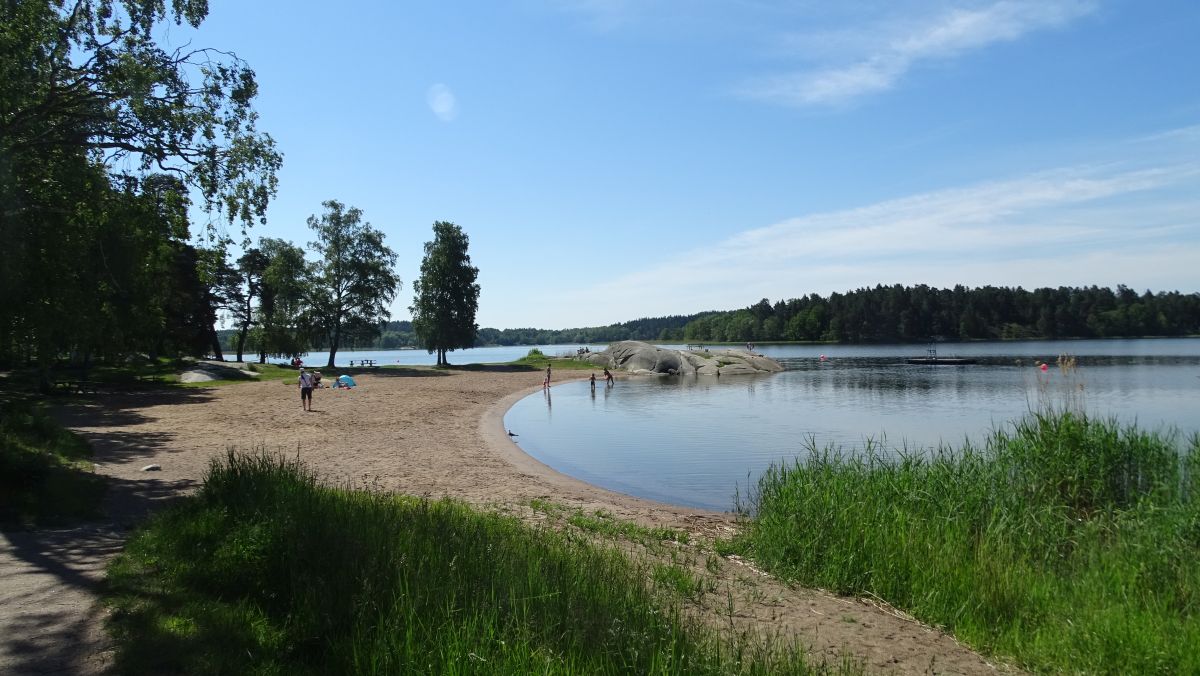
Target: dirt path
417,431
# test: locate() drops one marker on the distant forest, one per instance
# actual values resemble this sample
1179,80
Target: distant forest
904,314
883,314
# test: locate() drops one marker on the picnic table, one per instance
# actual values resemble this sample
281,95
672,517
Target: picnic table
364,362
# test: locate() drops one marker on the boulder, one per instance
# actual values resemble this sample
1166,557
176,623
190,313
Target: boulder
645,359
206,371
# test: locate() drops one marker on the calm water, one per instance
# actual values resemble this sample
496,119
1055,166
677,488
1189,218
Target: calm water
691,441
475,355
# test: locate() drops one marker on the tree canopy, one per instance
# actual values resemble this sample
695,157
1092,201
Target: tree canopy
353,280
446,295
105,138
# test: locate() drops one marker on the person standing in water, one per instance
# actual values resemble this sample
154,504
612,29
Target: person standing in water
608,377
546,384
592,379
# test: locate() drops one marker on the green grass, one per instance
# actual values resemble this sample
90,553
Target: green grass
45,473
266,372
266,571
1065,543
536,359
604,523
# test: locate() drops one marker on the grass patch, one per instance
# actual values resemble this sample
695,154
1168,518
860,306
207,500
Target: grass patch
536,359
267,571
45,474
266,372
1070,544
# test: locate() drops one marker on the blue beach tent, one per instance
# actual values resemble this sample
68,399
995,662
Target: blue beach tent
346,381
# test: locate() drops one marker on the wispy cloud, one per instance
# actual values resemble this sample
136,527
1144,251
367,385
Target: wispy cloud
888,51
1096,224
442,102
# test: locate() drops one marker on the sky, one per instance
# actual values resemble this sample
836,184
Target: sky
618,159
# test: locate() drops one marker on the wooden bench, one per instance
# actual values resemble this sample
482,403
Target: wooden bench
364,363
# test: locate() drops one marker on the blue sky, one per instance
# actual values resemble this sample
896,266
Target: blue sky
615,159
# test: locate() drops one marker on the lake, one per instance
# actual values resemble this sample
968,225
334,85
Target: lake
691,441
474,355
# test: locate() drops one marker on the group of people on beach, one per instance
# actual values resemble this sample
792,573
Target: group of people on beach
310,380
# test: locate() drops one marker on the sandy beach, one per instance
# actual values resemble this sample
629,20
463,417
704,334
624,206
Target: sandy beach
417,431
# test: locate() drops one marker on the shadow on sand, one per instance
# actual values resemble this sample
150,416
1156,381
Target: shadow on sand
48,575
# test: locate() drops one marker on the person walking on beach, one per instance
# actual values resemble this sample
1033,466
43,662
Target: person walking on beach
546,384
608,379
306,388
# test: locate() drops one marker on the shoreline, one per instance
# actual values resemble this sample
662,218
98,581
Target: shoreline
491,428
420,432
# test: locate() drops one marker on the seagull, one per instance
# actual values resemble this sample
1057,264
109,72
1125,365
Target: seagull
513,434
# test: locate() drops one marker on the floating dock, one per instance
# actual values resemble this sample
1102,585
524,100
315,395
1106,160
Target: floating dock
932,359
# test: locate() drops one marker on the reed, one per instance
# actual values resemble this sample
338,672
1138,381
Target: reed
267,571
1064,542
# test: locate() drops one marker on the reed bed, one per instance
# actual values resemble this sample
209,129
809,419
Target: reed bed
267,571
1064,543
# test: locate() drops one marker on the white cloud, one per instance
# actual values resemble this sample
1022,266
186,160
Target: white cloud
891,50
1076,226
442,102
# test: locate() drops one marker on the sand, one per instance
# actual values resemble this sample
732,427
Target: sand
417,431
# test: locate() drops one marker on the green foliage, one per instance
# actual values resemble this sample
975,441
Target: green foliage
354,280
650,328
540,361
44,474
103,137
446,295
266,571
282,317
1069,543
919,313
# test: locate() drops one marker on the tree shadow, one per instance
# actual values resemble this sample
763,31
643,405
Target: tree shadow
47,575
120,409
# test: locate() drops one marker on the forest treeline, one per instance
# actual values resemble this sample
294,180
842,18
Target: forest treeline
884,314
398,334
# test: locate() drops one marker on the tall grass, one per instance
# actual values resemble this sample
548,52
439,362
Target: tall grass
45,476
267,571
1065,542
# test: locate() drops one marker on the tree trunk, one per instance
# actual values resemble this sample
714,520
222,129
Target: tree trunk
333,344
241,341
216,343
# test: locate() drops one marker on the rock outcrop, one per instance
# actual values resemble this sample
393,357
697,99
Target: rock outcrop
646,359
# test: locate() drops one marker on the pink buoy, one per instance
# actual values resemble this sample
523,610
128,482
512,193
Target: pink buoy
1045,367
822,357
